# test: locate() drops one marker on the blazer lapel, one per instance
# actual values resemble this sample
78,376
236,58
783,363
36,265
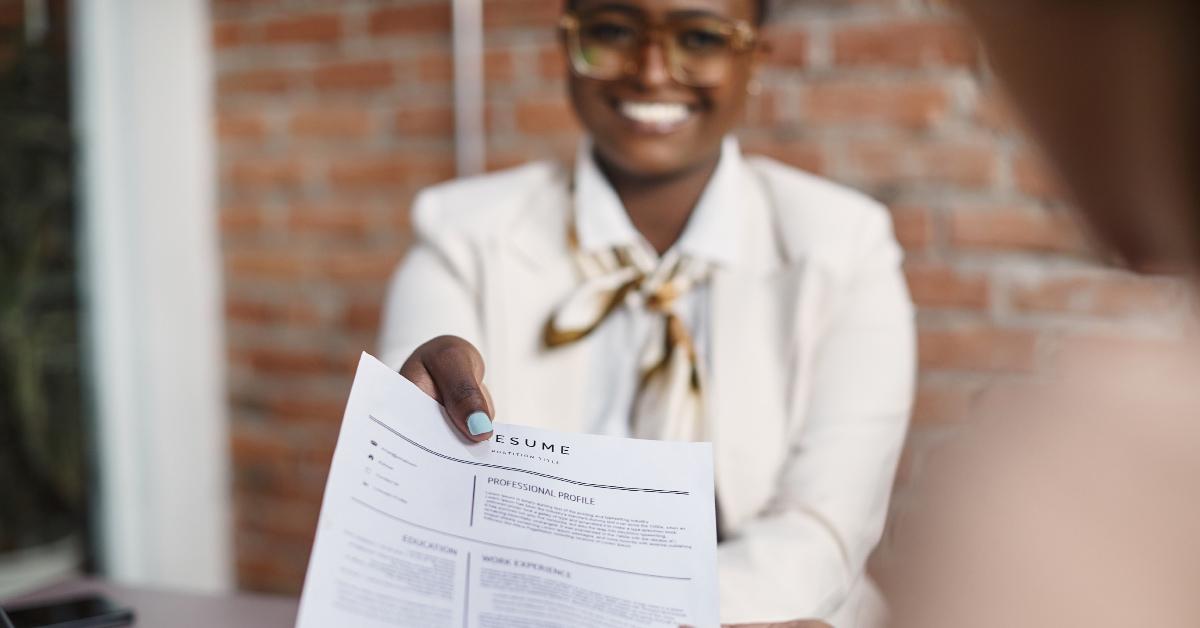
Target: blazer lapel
752,349
751,346
532,272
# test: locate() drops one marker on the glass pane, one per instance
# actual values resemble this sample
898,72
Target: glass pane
42,441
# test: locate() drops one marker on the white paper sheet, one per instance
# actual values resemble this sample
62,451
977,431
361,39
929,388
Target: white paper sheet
534,528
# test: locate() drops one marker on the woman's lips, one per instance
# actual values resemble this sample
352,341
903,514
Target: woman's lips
656,117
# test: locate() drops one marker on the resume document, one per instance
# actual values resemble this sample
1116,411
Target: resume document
419,527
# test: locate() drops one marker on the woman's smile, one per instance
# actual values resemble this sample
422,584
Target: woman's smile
655,117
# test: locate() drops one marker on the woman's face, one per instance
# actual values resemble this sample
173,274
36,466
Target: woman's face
647,124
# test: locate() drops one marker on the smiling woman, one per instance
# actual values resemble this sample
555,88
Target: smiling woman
663,285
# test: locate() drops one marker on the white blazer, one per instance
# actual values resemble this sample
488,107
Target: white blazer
812,363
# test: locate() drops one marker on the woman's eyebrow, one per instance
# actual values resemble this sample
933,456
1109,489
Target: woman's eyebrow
615,6
639,12
695,13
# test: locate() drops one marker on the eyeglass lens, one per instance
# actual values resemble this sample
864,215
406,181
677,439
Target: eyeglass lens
698,51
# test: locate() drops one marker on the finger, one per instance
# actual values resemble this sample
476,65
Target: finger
414,371
456,369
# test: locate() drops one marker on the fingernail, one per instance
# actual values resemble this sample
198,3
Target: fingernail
479,423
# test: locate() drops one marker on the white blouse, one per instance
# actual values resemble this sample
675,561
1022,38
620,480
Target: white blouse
602,223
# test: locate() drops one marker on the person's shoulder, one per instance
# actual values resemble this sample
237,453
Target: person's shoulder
816,214
485,202
810,194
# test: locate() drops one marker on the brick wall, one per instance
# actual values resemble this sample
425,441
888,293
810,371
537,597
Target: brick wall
331,116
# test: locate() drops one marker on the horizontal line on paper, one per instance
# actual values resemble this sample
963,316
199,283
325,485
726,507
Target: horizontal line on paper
658,491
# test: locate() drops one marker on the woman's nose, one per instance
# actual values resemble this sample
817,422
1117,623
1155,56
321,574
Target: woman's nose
653,70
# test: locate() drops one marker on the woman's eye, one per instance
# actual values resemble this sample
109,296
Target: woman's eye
702,40
610,33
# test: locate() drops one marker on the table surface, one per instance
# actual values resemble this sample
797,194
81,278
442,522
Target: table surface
161,609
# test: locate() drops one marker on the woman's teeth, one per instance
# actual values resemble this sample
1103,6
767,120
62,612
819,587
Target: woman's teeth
655,113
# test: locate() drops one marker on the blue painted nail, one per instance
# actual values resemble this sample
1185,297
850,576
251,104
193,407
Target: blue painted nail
479,423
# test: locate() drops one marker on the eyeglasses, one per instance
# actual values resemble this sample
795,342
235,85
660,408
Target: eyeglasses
699,50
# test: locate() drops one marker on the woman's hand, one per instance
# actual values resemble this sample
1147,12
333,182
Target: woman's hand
450,370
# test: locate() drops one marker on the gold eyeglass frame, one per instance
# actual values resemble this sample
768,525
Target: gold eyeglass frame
743,37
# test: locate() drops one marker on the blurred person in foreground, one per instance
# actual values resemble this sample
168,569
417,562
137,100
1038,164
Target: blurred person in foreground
1075,502
665,286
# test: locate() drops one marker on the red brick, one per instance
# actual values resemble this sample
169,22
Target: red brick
370,172
788,48
286,361
803,155
303,29
913,226
241,219
287,556
291,313
502,160
341,221
544,116
533,14
241,127
413,19
254,446
362,316
266,575
914,105
552,63
273,564
265,264
355,75
376,266
282,558
498,65
1109,295
261,81
344,123
305,408
435,121
904,44
978,348
910,162
435,68
941,286
228,34
1014,229
265,172
286,519
389,170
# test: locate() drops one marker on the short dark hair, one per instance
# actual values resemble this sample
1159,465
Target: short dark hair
760,5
